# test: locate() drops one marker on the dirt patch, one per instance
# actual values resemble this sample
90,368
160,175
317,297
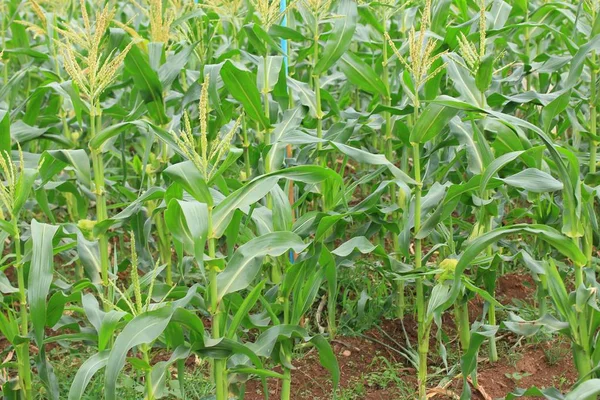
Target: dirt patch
362,370
509,288
515,286
543,366
360,362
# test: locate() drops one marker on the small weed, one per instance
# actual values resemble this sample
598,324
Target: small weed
561,382
354,392
555,353
516,377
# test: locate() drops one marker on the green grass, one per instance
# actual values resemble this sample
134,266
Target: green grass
131,383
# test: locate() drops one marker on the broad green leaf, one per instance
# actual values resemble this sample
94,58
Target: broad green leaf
559,295
5,286
366,157
101,137
585,390
466,137
496,166
244,310
555,107
431,122
572,225
188,222
534,180
340,37
40,275
578,61
260,186
562,243
187,175
242,86
143,329
281,210
41,272
5,141
89,255
248,258
468,361
104,322
464,82
518,325
265,344
154,193
483,79
160,371
147,82
23,189
86,372
171,69
305,95
362,75
548,393
78,159
274,64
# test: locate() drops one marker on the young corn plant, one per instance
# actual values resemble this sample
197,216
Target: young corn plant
15,185
207,161
239,270
92,74
480,66
421,59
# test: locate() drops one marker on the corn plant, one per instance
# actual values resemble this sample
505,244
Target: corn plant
201,181
17,184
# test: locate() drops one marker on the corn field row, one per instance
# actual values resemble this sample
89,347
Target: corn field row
199,180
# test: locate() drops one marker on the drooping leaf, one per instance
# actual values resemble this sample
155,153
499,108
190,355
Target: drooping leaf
340,37
242,86
431,122
362,75
247,259
534,180
40,275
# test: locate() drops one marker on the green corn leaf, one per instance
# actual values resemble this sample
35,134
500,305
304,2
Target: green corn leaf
147,82
274,64
23,189
105,323
244,309
468,361
362,75
143,329
160,371
534,180
431,122
188,222
572,225
242,86
86,372
340,37
5,140
496,166
265,344
40,275
171,69
78,159
259,187
187,175
248,258
554,238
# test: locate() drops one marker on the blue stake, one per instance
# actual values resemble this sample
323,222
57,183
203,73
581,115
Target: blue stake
282,7
284,47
